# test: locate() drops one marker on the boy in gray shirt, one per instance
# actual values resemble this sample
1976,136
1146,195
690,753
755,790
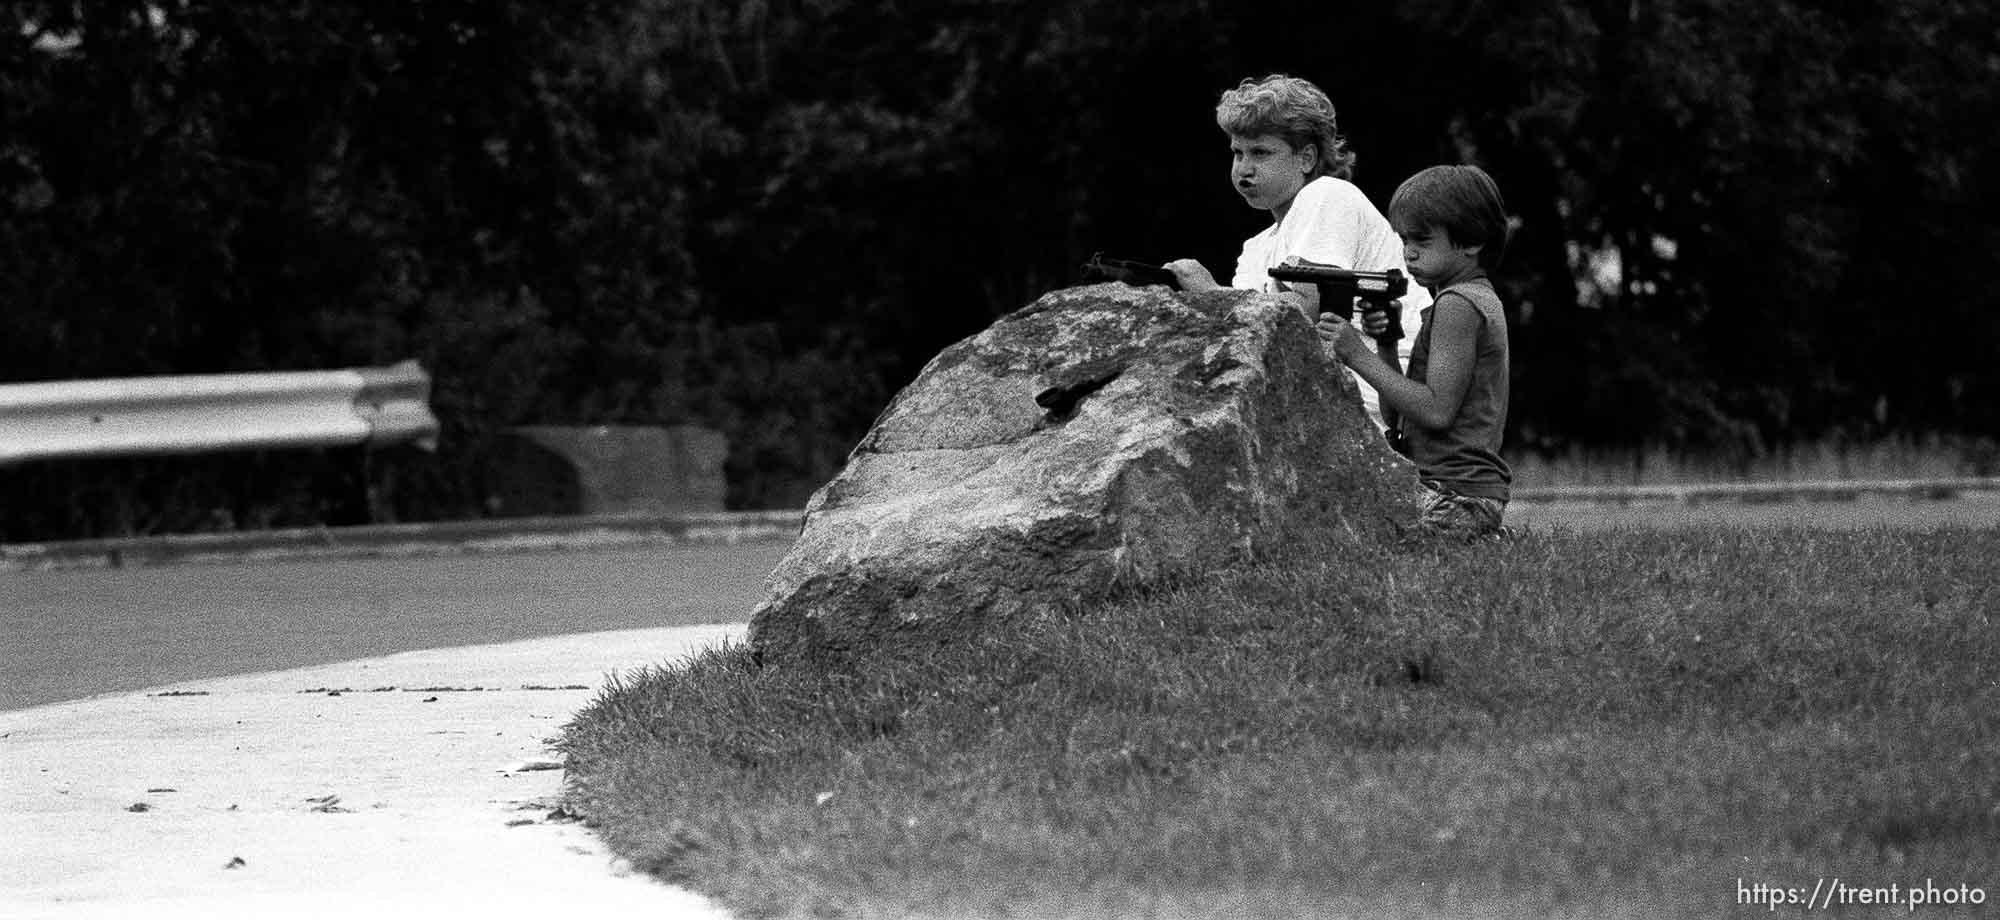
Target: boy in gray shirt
1453,403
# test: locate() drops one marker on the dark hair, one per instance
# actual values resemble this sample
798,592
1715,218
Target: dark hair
1463,201
1293,109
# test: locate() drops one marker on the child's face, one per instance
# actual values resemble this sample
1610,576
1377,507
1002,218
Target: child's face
1266,171
1432,258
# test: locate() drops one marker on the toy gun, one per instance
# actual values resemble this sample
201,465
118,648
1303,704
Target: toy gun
1137,274
1338,289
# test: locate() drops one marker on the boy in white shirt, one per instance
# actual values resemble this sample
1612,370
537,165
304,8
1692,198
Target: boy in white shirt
1287,157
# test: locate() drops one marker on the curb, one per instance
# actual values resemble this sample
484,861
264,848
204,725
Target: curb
1761,492
531,534
485,535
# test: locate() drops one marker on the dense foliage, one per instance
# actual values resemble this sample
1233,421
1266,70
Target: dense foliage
1739,224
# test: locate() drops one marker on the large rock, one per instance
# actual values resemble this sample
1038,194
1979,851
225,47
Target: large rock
1102,436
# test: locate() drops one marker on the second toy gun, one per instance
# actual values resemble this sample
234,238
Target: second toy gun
1136,274
1339,288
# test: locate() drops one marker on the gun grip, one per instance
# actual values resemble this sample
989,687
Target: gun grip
1394,333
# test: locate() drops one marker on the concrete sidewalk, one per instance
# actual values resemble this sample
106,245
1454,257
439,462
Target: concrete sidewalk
413,785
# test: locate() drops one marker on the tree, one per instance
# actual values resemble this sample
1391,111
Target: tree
1710,178
203,187
765,217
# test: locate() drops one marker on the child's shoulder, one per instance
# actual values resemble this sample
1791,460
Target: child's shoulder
1332,191
1337,203
1476,295
1478,291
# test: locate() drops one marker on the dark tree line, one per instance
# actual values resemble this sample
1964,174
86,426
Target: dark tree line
1739,225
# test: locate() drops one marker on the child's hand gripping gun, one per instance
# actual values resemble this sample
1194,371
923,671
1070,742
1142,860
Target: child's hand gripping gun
1339,288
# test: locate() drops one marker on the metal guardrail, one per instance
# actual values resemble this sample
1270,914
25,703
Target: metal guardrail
188,414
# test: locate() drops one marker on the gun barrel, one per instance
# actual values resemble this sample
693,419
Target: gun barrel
1137,274
1379,286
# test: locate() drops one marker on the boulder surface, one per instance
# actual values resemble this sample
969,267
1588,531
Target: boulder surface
1101,437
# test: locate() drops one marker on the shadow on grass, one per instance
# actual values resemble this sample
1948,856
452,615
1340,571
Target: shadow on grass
1618,724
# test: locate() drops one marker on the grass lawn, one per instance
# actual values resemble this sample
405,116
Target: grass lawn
1628,723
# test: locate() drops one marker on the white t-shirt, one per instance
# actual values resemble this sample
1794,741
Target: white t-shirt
1333,223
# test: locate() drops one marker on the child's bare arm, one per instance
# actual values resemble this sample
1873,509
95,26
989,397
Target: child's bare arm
1454,341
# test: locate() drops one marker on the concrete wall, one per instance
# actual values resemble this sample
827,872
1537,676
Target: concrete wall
606,469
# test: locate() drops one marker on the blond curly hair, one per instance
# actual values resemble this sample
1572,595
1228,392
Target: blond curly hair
1293,109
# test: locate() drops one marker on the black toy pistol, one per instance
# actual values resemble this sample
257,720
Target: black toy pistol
1340,287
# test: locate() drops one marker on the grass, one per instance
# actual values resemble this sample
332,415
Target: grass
1620,724
1926,457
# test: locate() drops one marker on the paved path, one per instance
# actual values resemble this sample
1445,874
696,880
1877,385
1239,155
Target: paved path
69,633
424,789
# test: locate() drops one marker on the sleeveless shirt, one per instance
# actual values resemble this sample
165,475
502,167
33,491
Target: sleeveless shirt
1465,455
